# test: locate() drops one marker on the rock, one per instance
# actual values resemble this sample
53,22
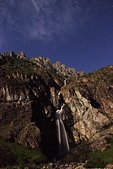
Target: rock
21,55
31,90
109,166
64,70
30,136
91,109
28,101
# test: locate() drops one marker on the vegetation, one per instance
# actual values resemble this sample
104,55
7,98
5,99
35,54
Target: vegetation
12,154
102,74
99,159
19,65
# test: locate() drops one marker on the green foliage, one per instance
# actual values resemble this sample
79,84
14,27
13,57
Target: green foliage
19,65
99,159
13,154
104,74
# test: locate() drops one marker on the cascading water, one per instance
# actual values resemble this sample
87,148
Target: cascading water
63,144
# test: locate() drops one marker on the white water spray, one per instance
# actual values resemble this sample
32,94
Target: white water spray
61,133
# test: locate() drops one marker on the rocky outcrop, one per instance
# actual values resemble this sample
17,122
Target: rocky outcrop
28,101
45,63
64,70
90,102
30,136
31,90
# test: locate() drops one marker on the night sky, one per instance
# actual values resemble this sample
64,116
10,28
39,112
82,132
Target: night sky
79,33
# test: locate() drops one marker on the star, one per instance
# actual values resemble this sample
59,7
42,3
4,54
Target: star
76,2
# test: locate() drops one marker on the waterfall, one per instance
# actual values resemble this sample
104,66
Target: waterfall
63,144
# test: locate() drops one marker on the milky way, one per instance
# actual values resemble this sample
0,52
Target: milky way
43,19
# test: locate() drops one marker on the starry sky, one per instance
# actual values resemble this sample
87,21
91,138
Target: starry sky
79,33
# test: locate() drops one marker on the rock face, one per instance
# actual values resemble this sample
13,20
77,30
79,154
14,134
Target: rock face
64,70
28,101
31,90
90,100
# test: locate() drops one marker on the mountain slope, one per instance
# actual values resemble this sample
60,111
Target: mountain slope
31,90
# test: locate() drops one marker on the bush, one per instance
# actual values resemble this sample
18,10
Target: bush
99,159
13,154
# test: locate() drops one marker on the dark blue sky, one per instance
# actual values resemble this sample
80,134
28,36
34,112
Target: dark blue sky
79,33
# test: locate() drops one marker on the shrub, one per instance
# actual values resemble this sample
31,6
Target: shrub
13,154
99,159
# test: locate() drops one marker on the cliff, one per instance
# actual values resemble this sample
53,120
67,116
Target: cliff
31,90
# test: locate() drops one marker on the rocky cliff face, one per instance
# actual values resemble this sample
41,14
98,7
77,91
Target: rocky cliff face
31,90
90,100
28,100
